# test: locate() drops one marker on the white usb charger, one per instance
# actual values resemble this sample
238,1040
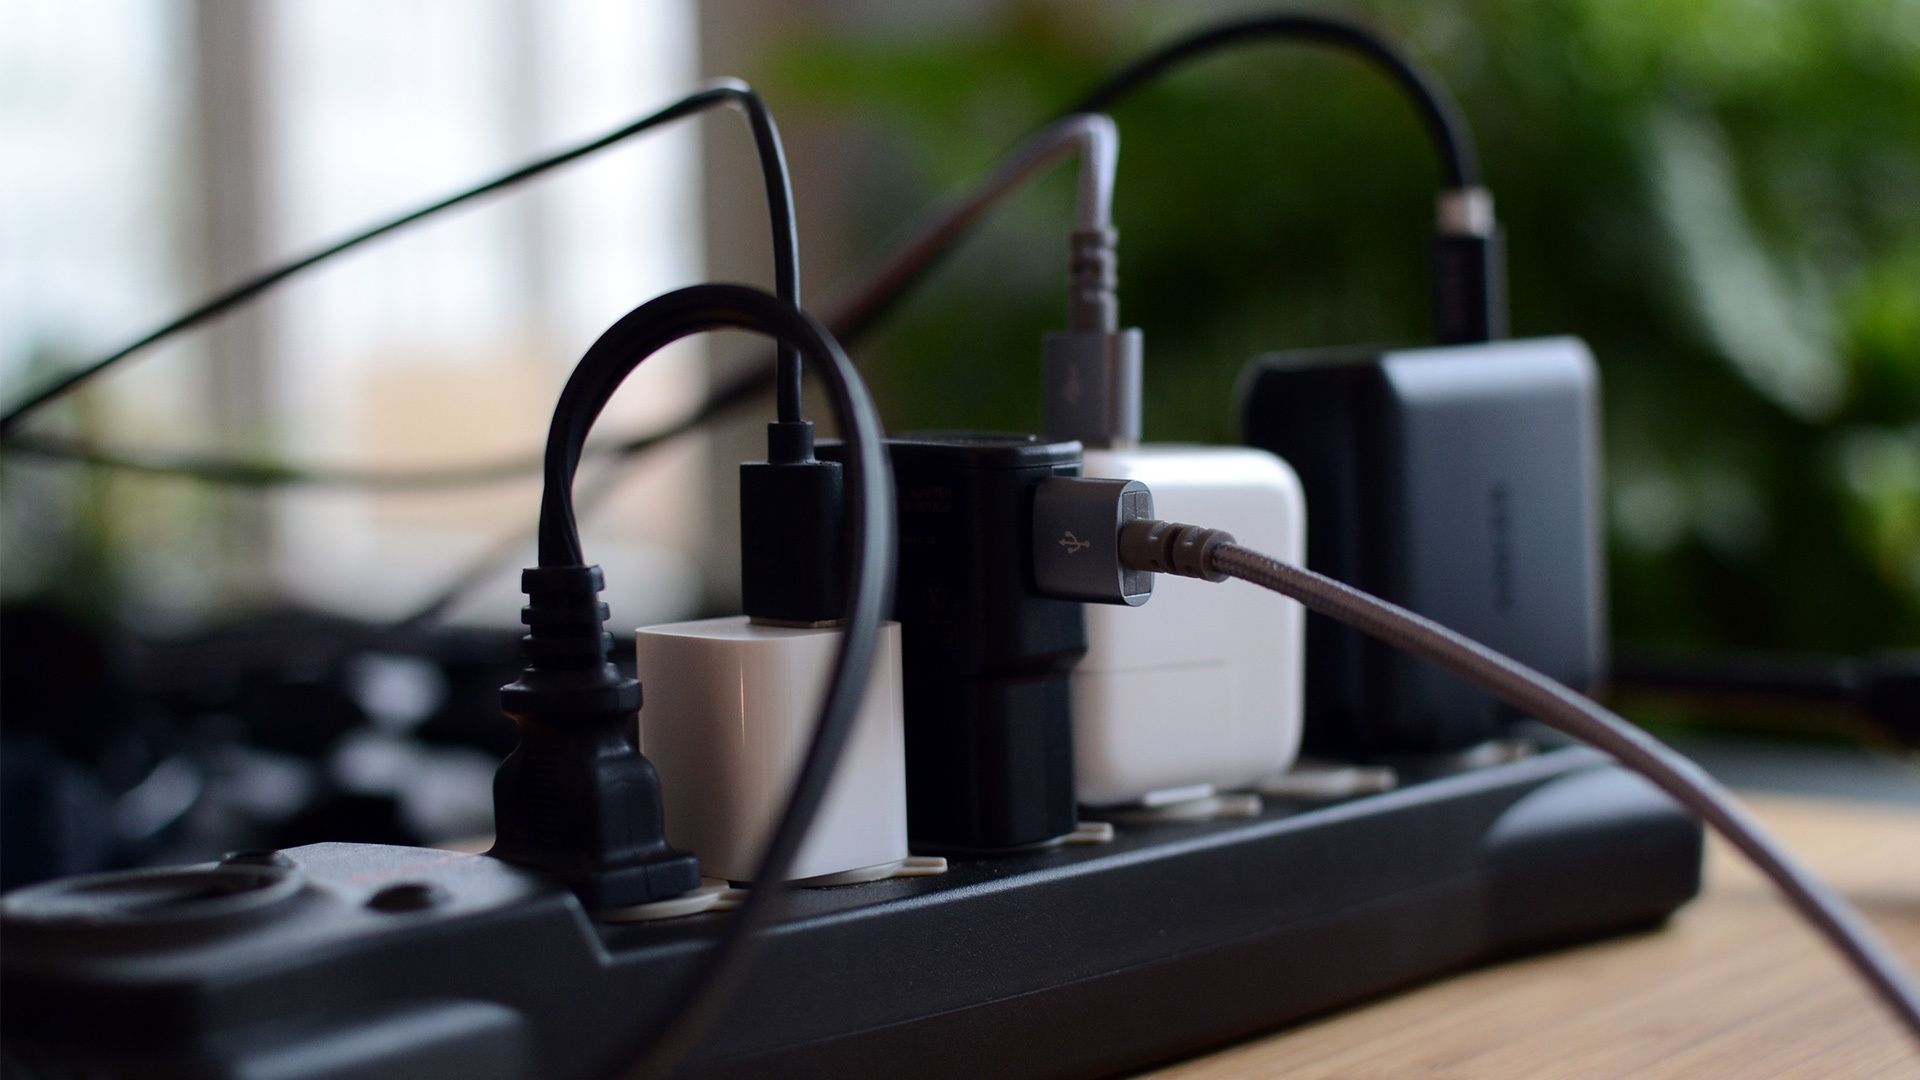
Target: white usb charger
730,703
1200,690
729,712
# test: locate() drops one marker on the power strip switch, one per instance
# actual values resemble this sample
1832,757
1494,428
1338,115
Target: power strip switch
729,713
1200,690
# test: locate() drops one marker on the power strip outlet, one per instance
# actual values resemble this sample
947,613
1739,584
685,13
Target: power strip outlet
358,961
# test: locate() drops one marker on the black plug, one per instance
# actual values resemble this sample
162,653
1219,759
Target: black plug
575,799
792,514
1469,269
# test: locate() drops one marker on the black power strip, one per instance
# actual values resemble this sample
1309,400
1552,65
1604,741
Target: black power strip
345,960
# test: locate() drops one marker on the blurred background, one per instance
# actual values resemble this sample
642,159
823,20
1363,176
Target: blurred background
1722,198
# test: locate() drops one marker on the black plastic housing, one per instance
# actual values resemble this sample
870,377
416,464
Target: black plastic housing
1462,482
1469,287
359,961
575,799
793,550
986,658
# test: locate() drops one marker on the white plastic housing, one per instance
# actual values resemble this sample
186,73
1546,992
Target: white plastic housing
729,708
1198,690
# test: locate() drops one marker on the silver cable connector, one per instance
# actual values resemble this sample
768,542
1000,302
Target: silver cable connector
1465,211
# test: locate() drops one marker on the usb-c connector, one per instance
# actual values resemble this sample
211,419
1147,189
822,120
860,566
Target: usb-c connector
792,532
1469,268
1093,367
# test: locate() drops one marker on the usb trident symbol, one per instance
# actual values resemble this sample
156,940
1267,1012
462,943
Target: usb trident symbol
1073,543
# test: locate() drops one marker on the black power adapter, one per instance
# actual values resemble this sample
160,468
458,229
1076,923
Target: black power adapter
986,655
1461,481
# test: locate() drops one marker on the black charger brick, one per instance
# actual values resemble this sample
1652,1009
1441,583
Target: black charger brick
1462,482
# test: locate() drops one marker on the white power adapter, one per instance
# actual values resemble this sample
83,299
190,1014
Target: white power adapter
1200,689
729,711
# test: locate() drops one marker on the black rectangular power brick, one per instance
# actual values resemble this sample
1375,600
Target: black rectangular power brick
986,657
1462,482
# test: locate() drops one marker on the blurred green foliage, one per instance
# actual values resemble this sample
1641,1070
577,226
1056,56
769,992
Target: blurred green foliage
1722,197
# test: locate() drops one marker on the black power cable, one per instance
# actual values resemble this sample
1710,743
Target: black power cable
1452,139
741,390
871,542
1441,116
1469,265
786,257
1882,688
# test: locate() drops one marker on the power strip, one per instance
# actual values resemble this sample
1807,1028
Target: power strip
344,960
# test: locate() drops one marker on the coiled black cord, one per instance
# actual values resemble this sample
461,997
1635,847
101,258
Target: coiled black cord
870,538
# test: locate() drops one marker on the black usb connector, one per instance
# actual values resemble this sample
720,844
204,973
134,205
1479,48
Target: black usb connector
792,524
1469,269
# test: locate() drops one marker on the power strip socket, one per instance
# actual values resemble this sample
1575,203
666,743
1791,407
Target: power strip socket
359,961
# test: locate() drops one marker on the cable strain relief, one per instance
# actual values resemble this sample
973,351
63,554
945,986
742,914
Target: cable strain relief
793,556
569,672
1167,547
1093,280
789,442
566,621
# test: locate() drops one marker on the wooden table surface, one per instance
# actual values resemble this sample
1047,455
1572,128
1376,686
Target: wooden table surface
1734,986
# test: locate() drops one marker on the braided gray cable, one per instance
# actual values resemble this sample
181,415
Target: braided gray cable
1566,711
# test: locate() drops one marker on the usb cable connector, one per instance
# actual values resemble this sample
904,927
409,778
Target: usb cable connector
1077,525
